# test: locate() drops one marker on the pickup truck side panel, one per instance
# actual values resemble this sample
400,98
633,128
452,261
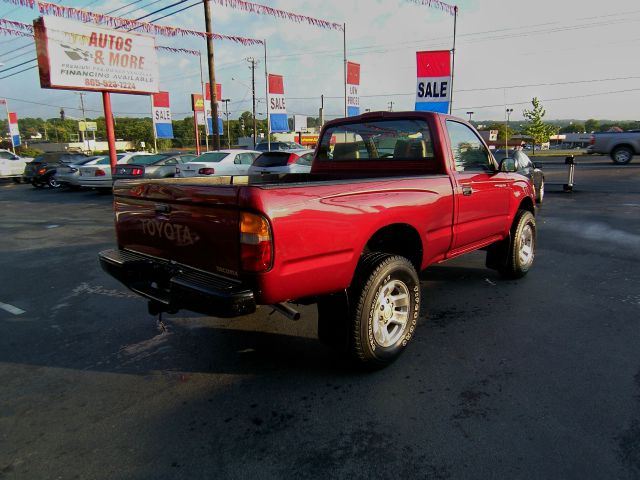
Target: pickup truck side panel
353,213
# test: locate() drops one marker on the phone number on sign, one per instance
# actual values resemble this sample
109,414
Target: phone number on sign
90,82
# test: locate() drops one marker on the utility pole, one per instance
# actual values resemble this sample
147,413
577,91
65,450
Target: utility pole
321,112
470,113
212,74
84,119
226,114
253,63
391,105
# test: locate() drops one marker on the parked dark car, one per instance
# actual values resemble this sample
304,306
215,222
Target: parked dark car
526,167
41,172
161,165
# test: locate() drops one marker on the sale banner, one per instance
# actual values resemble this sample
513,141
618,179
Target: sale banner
207,106
161,114
277,106
353,87
433,92
13,129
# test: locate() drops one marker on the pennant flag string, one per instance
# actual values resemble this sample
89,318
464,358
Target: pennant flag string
445,7
47,8
29,29
10,24
14,33
274,12
178,50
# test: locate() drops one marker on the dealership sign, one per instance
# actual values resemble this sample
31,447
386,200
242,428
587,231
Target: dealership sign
433,90
277,106
353,87
82,56
161,114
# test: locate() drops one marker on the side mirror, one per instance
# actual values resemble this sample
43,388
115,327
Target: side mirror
507,165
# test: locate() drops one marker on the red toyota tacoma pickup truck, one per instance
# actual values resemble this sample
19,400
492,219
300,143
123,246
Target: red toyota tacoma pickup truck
388,195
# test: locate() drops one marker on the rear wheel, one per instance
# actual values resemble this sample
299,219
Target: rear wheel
622,155
37,184
52,182
375,319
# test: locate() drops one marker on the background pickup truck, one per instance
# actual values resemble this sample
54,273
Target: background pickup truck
388,195
620,146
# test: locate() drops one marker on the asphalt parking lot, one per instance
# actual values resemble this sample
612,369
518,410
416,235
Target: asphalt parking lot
535,378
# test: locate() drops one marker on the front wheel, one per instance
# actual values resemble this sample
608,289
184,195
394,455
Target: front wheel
622,155
522,247
386,304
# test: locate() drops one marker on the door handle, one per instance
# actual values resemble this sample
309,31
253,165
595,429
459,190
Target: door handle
466,191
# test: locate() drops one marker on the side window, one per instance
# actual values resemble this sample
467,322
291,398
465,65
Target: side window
171,161
6,155
246,158
305,159
469,152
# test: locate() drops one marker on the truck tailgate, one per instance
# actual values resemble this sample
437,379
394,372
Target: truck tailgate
172,219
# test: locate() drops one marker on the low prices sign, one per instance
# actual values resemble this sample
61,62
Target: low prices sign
207,107
277,106
434,79
353,87
161,114
82,56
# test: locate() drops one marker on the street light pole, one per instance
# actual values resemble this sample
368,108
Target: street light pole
226,114
506,132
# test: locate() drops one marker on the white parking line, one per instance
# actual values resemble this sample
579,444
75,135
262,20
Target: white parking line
11,309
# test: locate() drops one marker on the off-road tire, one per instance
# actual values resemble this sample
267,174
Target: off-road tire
383,278
519,254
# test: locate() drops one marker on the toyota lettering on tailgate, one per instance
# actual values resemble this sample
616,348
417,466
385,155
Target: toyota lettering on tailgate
181,235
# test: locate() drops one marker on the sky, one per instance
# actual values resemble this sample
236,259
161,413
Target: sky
578,58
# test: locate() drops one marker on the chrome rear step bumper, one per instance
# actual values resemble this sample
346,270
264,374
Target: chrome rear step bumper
172,286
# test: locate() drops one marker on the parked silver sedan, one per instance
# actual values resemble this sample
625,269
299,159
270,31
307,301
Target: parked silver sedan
298,161
98,175
68,175
160,165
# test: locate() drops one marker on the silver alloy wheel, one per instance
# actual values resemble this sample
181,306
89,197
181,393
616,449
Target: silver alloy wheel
391,313
526,250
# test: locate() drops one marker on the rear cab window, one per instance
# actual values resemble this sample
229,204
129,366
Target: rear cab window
382,141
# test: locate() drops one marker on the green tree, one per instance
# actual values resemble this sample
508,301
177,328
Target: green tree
536,128
592,125
573,128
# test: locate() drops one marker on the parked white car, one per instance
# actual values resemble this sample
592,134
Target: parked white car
12,165
221,162
298,161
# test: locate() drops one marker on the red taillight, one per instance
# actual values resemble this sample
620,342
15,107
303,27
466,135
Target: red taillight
206,171
293,158
100,173
256,246
137,171
592,140
42,171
